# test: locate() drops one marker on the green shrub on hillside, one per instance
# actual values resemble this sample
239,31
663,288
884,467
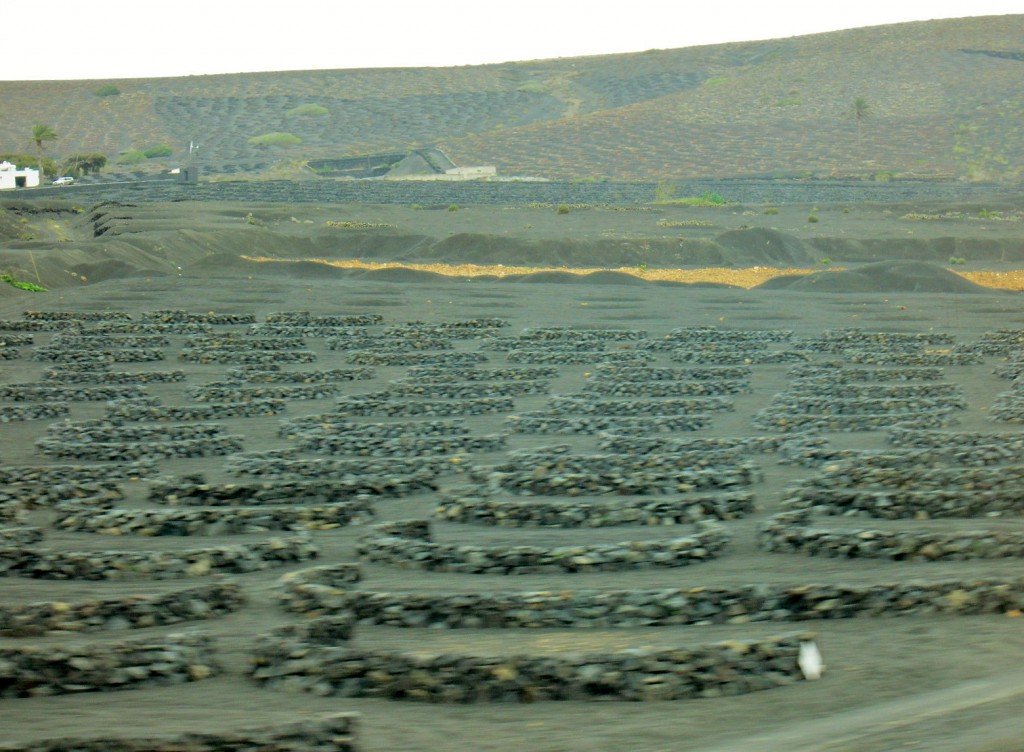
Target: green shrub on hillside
275,139
131,157
27,286
708,198
309,110
160,150
107,90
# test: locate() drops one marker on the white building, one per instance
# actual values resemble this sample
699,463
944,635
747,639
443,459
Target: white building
12,177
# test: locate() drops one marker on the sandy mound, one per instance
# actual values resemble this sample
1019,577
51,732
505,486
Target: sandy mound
884,276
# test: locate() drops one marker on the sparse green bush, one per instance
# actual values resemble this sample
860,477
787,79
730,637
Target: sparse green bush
107,90
708,198
27,286
812,218
453,208
131,157
685,223
771,210
826,261
957,260
309,110
986,214
562,209
275,139
160,150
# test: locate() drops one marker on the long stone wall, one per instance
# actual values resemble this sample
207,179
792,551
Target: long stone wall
318,660
33,671
337,732
408,544
133,612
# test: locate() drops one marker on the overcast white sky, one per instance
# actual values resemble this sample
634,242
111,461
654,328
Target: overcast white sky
104,39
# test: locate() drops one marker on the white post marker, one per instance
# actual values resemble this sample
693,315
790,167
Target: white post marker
810,661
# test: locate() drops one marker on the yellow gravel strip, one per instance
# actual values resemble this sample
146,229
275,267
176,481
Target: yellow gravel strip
741,277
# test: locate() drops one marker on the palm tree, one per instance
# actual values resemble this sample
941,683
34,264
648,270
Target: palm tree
41,133
861,111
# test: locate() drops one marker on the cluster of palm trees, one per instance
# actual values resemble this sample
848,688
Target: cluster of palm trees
41,133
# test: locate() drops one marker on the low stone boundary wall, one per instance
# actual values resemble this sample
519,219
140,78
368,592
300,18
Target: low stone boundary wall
128,450
9,353
244,342
153,327
36,411
305,318
100,340
664,607
730,356
566,474
801,403
51,393
885,358
615,373
832,372
71,355
902,503
94,494
1008,407
76,474
384,404
918,470
573,357
252,375
390,344
16,340
195,491
851,391
210,410
694,335
467,506
187,317
372,472
523,373
964,447
20,536
541,422
218,356
333,733
219,521
132,612
45,564
335,425
846,338
451,389
792,532
1001,342
620,444
585,404
580,345
57,669
232,391
404,446
714,670
102,431
113,377
77,315
666,388
573,334
782,420
447,359
408,544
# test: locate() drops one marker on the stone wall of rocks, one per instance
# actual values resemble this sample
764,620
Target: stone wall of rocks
448,388
263,375
395,474
336,425
585,404
56,354
393,344
613,373
567,357
40,563
215,355
623,444
133,612
542,422
61,376
521,373
300,659
187,317
33,671
832,372
404,446
337,732
793,532
383,404
231,391
33,411
447,359
52,393
211,410
76,474
411,546
112,451
468,506
221,521
625,609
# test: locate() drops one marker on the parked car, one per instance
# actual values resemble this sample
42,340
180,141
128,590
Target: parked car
66,180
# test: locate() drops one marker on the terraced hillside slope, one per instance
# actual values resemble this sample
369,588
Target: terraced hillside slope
943,100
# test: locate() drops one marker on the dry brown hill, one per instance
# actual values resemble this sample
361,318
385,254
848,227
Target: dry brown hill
944,100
